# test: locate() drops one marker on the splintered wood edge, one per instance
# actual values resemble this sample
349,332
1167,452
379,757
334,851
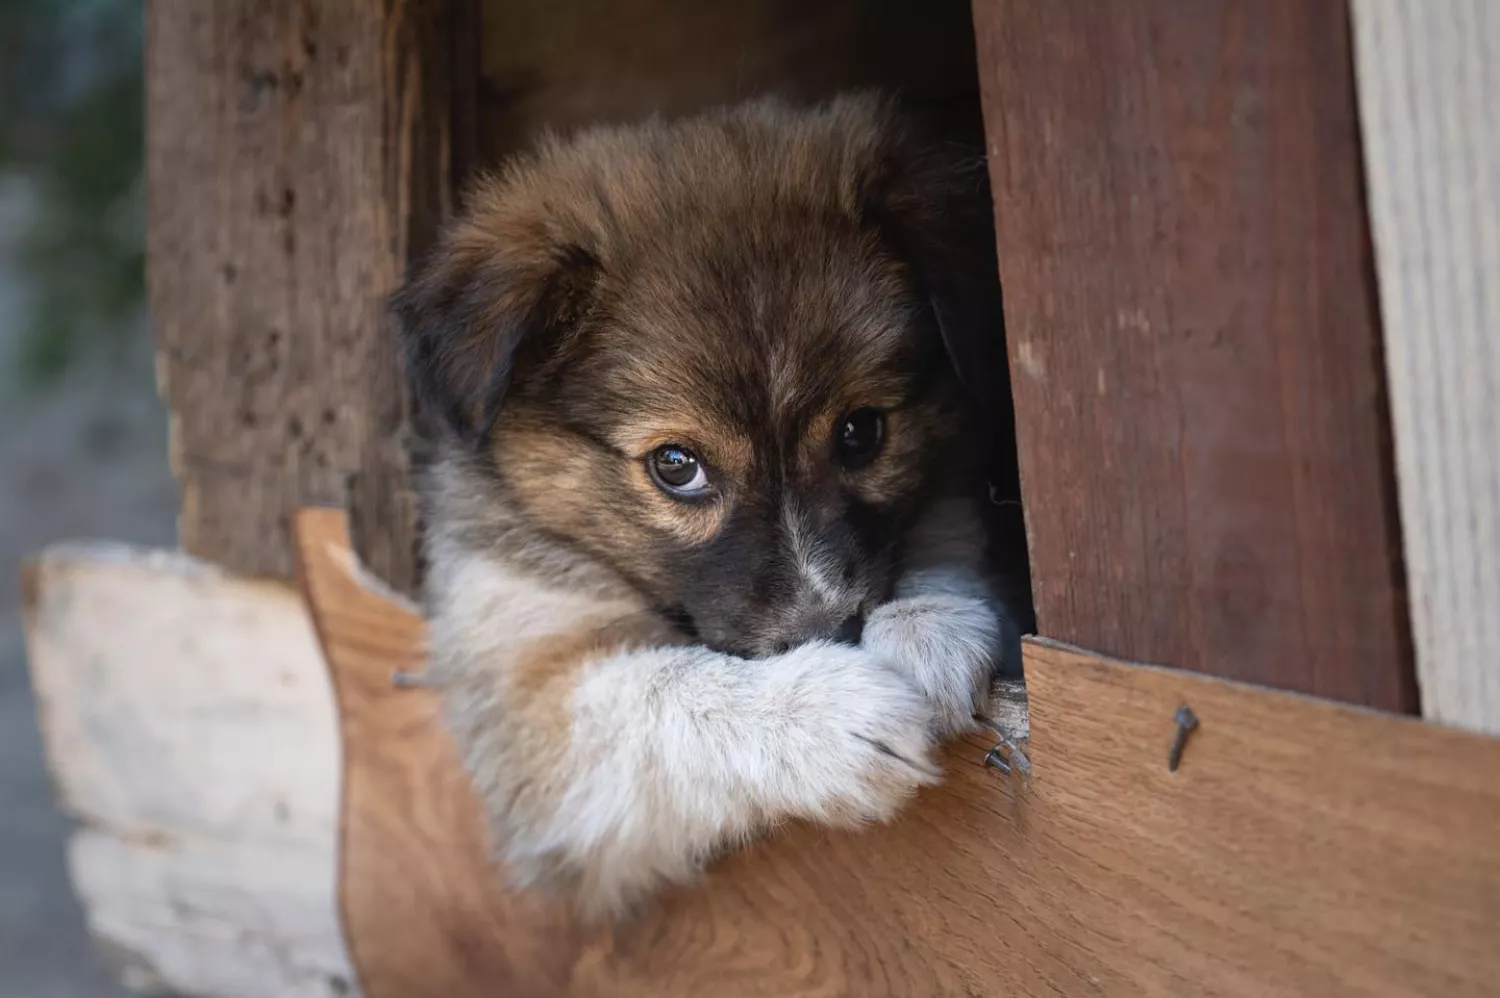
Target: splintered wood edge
325,551
411,829
324,563
332,580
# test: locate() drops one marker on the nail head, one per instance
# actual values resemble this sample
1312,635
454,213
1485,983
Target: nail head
1186,722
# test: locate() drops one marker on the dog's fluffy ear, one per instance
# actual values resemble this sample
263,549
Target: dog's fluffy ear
499,285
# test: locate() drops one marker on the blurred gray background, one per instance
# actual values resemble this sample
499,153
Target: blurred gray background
82,434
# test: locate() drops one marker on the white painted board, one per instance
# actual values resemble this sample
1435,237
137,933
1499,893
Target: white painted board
1428,77
191,729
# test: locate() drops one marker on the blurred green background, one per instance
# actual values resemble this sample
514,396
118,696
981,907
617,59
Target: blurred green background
83,437
71,121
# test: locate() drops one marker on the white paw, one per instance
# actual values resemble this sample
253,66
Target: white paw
948,645
866,740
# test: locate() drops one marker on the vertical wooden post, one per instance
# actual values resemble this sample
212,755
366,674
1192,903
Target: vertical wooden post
297,155
1428,82
1193,338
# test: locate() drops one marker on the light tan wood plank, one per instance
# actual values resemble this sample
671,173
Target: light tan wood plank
1429,98
1303,847
422,911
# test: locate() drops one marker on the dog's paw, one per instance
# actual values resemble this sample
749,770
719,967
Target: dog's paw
866,740
947,645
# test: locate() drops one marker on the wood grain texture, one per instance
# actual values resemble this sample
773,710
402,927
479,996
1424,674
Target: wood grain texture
1193,338
563,66
1303,847
421,910
297,154
190,729
1428,78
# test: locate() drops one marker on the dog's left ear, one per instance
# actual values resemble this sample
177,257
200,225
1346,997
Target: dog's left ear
496,289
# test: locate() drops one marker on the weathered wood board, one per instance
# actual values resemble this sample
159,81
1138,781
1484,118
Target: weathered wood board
1302,848
1429,100
190,728
1194,343
296,156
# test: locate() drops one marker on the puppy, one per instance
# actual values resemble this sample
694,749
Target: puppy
703,545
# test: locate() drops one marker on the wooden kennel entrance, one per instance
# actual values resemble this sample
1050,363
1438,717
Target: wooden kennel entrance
1243,246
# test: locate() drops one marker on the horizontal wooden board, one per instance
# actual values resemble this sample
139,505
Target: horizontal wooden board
1303,847
190,728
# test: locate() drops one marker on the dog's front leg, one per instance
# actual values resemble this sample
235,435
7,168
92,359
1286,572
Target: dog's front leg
617,772
944,626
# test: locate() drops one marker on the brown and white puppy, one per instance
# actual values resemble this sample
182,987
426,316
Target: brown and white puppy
702,541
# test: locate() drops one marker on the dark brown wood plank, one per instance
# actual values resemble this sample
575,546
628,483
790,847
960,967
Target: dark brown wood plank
1303,847
1194,343
297,154
567,65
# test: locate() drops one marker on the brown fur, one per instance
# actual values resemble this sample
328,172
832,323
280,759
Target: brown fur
735,284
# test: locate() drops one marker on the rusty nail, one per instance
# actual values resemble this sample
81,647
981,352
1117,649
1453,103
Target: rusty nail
1186,722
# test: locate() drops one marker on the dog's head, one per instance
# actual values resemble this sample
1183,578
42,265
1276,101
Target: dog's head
711,354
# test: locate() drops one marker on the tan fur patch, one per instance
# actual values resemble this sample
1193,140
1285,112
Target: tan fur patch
539,686
546,667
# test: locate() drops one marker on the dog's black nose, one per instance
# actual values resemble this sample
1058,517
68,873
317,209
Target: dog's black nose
850,630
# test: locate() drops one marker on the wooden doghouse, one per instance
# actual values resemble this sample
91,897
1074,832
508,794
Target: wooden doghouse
1246,249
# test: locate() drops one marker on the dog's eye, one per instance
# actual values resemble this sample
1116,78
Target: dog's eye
677,471
859,437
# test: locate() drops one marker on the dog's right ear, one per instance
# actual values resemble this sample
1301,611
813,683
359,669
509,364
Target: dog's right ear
491,290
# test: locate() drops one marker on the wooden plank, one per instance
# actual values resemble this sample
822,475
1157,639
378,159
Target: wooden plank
297,154
206,918
1193,340
442,925
190,727
563,66
1427,85
1303,847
